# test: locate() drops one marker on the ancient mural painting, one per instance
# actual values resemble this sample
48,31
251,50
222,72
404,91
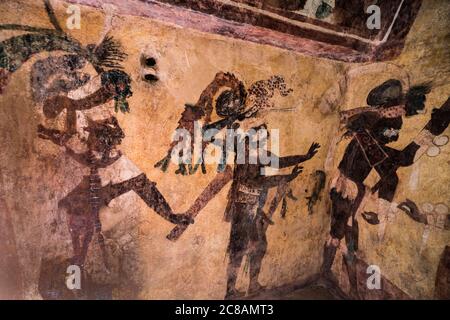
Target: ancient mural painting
369,130
85,88
104,135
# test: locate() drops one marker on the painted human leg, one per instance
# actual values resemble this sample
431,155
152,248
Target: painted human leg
350,265
86,239
341,211
101,241
75,234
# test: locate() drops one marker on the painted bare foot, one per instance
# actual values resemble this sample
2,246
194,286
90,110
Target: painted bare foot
255,287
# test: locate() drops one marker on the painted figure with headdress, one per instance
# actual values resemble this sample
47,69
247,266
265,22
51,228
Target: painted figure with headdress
233,104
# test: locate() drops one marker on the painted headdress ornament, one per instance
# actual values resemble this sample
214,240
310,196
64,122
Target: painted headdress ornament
389,101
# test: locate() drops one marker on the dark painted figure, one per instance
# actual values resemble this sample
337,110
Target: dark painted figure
370,132
52,78
83,204
244,211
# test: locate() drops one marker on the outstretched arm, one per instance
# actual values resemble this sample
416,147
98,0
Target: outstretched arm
411,209
405,158
213,188
55,105
220,124
56,136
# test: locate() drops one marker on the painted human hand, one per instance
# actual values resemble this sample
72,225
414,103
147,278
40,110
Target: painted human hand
413,211
42,132
313,150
